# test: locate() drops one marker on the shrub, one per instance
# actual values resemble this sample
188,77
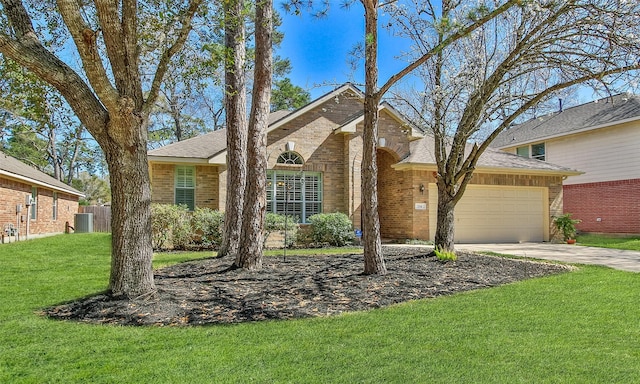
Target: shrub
304,237
566,225
170,226
445,255
333,228
208,224
275,222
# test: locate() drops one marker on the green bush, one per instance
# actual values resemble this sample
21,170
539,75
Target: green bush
333,228
566,225
209,225
274,222
170,226
445,255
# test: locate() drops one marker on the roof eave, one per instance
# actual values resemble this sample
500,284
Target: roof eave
569,133
492,170
40,183
176,159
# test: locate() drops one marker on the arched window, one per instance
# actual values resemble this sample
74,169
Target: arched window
291,158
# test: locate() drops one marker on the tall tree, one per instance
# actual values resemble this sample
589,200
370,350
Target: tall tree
477,16
236,111
249,255
286,96
373,258
192,96
109,98
40,127
478,86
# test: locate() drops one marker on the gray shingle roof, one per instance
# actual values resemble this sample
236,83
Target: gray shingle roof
14,167
205,146
199,147
422,153
592,115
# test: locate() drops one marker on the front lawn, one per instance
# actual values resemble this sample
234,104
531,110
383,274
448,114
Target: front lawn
572,328
628,243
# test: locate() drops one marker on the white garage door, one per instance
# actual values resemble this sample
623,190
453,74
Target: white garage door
488,214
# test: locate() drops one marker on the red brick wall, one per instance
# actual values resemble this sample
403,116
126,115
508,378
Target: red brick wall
616,203
13,192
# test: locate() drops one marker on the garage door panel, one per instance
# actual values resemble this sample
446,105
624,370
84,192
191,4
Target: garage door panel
495,214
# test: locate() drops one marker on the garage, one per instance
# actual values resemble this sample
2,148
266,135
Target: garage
496,214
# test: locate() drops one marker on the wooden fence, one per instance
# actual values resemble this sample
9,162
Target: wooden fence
101,217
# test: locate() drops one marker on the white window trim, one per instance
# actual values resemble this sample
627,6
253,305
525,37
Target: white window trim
530,151
177,187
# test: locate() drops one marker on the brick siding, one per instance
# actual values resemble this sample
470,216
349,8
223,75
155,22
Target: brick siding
13,192
338,157
615,203
207,185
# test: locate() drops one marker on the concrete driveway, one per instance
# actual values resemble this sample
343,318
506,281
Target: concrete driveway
614,258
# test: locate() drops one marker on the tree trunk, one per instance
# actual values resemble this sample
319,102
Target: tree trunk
131,268
236,109
446,221
373,259
110,102
250,254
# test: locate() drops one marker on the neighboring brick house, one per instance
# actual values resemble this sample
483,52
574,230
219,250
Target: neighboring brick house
53,202
600,138
315,153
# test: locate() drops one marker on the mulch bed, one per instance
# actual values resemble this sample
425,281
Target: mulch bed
208,292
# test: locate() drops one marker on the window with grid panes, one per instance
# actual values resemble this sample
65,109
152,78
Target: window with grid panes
185,191
296,194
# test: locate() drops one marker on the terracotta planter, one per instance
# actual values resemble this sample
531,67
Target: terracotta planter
571,241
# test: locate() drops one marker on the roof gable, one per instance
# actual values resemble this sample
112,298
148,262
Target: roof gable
14,168
585,117
210,148
205,148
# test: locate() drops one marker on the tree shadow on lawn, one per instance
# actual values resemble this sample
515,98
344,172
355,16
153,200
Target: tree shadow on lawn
209,292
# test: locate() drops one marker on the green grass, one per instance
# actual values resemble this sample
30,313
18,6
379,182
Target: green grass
628,243
579,327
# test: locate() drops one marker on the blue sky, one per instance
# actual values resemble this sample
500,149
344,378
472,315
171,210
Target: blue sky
318,48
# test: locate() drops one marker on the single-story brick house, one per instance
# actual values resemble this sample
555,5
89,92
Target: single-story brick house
315,152
600,138
53,203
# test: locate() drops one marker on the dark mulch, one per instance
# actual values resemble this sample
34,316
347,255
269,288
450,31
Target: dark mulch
208,292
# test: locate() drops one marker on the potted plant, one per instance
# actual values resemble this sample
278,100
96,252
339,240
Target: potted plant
567,225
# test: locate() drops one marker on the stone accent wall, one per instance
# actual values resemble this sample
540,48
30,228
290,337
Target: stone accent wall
13,192
605,207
